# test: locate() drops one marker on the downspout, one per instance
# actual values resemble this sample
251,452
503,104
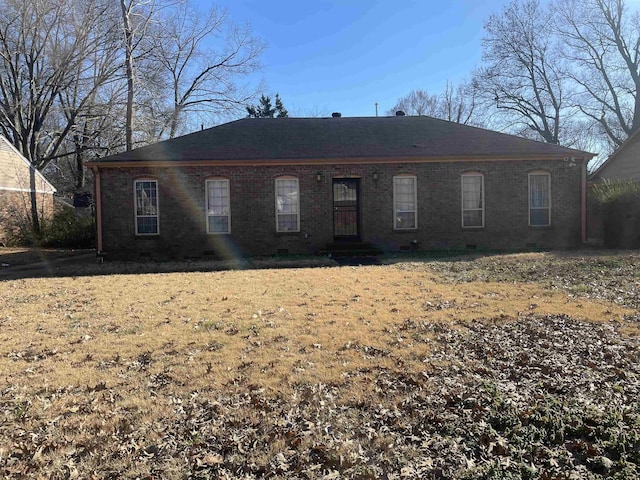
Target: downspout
98,197
584,201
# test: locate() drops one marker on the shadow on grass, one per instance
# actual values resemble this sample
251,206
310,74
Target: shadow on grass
90,265
13,257
65,263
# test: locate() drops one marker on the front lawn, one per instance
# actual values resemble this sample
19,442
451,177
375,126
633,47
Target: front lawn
511,366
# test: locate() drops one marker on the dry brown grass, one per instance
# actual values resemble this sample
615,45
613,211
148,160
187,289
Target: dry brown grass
64,338
274,328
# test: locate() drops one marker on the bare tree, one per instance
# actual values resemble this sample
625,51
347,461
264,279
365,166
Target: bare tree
70,71
461,104
137,19
185,61
316,111
127,27
522,71
417,102
456,104
98,130
43,50
204,56
86,106
603,46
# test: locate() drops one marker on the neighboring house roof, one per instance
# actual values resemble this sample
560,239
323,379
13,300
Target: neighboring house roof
623,164
305,140
16,171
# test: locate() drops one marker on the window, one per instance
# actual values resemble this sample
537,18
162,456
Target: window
404,203
539,199
146,198
218,206
472,200
287,205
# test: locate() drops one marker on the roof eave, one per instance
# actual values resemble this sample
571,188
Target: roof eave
585,156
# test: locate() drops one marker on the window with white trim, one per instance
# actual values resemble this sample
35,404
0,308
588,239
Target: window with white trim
218,206
539,199
405,203
287,204
472,200
146,201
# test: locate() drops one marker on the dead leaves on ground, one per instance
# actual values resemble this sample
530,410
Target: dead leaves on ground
537,395
542,397
609,276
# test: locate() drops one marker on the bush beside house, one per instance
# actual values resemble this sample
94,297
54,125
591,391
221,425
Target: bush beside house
20,185
618,206
68,229
614,210
16,226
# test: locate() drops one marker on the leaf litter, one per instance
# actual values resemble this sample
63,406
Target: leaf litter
529,394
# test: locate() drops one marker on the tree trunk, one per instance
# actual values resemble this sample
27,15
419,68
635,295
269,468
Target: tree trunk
79,164
175,117
635,123
128,36
33,194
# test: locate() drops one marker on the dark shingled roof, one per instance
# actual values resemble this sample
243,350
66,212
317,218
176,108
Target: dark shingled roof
341,138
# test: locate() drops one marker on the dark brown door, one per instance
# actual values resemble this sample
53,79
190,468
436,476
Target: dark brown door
346,208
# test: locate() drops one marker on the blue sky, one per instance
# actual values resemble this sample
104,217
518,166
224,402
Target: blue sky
328,56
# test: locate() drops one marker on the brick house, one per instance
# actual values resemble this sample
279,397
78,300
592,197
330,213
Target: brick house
20,182
297,185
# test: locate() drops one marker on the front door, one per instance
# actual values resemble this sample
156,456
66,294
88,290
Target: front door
346,208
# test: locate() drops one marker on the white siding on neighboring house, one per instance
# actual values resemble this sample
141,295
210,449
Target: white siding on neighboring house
18,180
624,164
15,171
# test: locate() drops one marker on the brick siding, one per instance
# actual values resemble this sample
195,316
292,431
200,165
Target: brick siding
182,220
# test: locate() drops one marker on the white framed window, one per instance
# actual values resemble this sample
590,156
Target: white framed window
218,206
145,194
405,203
287,204
472,200
539,199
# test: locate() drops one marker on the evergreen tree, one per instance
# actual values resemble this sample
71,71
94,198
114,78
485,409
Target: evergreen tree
265,109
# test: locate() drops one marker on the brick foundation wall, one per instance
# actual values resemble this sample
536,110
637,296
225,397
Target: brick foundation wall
182,209
15,211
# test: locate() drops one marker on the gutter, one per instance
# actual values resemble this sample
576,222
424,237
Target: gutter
583,195
98,197
320,161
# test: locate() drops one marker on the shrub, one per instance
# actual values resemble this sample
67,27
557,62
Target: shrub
67,229
619,204
17,228
608,191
